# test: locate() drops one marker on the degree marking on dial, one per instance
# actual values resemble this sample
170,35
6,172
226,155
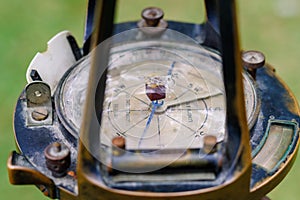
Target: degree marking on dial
206,117
158,130
125,110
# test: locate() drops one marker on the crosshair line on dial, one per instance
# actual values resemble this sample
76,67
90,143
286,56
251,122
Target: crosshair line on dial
136,97
194,131
180,123
127,110
158,129
183,93
131,127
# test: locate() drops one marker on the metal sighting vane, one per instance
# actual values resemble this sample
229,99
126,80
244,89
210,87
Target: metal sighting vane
154,109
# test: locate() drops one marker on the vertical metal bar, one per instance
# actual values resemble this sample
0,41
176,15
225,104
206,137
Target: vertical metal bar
238,133
99,23
103,28
104,21
89,143
89,21
212,14
211,33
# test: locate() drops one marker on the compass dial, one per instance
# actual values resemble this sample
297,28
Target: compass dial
158,95
185,103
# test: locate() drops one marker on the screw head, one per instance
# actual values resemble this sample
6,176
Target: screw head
40,114
38,93
152,16
253,59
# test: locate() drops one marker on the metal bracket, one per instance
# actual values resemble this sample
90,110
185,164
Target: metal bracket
39,104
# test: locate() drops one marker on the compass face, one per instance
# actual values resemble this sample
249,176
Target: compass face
158,95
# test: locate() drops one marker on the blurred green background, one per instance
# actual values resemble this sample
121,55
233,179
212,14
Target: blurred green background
271,26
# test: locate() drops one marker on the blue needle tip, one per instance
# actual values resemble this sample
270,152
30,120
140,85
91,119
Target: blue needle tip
155,104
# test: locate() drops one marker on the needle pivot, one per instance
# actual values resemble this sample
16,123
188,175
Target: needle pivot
155,89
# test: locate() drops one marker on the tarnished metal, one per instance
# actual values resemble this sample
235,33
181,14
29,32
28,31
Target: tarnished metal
40,114
39,104
152,17
21,172
58,159
274,147
253,60
37,93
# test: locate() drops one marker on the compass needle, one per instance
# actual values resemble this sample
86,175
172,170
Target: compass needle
170,71
155,104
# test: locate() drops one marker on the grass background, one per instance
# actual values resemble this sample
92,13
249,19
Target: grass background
271,26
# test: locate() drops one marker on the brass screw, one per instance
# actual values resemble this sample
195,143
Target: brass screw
210,142
119,142
152,16
253,60
118,145
40,114
58,158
